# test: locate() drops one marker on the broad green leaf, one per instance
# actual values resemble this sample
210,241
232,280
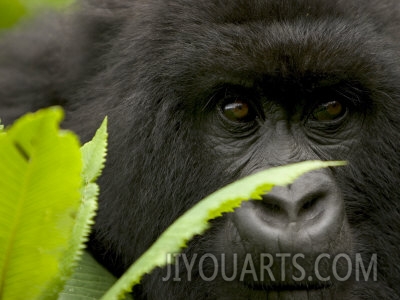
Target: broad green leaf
34,5
89,281
40,185
194,221
10,12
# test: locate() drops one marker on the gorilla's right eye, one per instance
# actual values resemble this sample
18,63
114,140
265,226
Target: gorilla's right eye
329,111
238,110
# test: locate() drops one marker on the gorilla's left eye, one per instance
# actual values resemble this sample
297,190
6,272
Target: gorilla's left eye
238,111
329,111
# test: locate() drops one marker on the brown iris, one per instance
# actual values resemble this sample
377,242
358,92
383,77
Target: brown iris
328,111
238,111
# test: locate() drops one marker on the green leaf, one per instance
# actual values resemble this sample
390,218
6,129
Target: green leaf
10,12
33,5
194,221
80,234
94,154
89,281
40,186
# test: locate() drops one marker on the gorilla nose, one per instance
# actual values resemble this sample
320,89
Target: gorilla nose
305,216
305,200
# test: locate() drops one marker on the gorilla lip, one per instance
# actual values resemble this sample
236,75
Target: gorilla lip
293,288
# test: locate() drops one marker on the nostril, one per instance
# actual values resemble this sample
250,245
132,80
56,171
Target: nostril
272,207
300,203
309,204
312,203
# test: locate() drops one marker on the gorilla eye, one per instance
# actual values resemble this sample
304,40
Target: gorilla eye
238,111
329,111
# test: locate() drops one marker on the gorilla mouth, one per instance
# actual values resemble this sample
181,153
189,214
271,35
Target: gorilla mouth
286,287
303,291
315,292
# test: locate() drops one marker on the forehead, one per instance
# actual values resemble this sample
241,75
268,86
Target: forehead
238,41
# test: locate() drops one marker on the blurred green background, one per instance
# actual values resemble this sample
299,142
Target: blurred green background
11,11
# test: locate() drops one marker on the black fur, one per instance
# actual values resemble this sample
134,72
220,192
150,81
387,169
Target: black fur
155,68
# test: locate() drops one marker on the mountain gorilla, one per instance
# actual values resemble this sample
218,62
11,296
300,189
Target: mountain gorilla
202,93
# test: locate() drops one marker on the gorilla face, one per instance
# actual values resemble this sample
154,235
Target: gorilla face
202,93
